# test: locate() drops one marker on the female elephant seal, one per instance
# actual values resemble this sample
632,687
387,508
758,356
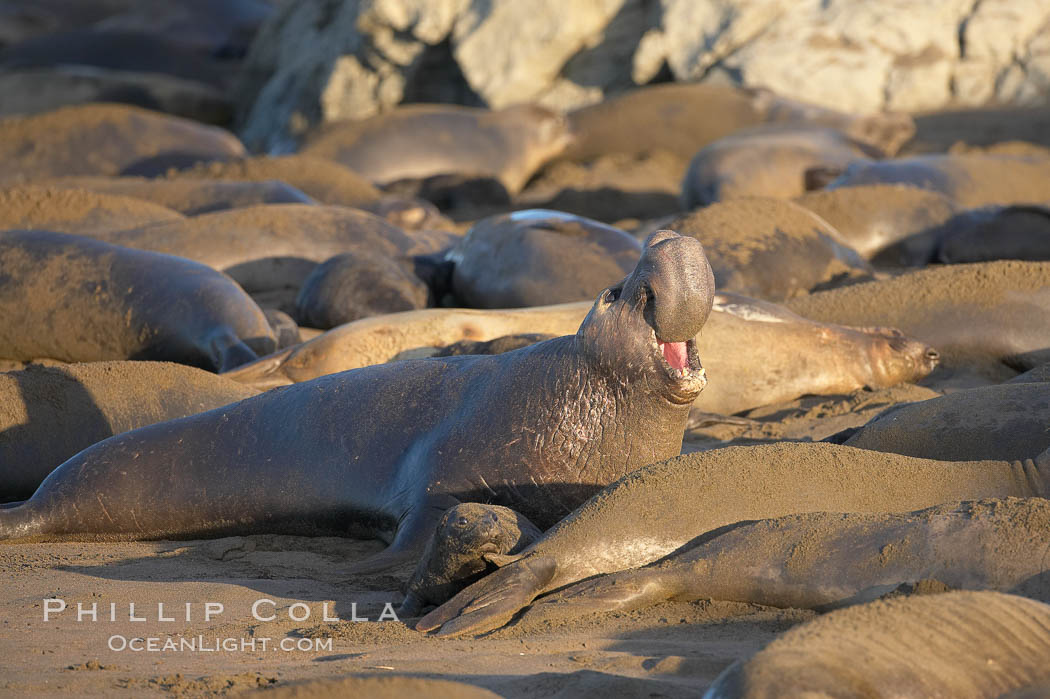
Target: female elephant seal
387,449
80,300
683,498
972,645
822,560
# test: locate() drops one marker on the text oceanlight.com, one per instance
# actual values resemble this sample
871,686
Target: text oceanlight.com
202,644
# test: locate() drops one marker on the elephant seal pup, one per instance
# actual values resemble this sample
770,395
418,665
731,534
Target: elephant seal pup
823,560
992,316
766,162
76,211
423,140
318,178
978,645
682,118
469,537
538,257
969,180
770,248
48,414
80,300
885,223
683,498
384,451
1006,421
358,285
274,246
1019,232
188,197
106,139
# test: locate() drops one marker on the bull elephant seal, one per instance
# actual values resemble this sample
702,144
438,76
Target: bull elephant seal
76,211
766,162
79,300
770,248
694,494
1006,421
419,141
823,560
106,139
970,180
885,223
1019,232
384,451
469,536
48,414
979,645
537,257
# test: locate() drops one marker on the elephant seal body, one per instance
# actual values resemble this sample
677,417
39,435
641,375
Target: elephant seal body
970,645
697,493
357,285
885,223
76,211
770,248
823,560
459,552
187,197
420,141
841,359
107,139
272,246
79,300
970,180
993,316
1019,232
766,162
538,257
1006,421
48,414
385,450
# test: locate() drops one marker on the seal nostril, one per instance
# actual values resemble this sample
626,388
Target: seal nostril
932,354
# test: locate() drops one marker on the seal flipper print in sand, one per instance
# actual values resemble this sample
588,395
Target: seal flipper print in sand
384,451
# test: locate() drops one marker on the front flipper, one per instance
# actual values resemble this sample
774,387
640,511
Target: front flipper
623,591
413,532
492,601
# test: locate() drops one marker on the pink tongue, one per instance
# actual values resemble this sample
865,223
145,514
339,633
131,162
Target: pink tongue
676,354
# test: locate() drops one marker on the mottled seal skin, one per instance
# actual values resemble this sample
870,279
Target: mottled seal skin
106,139
771,249
993,317
684,117
992,422
971,645
188,197
358,285
891,224
79,300
273,246
419,141
766,162
996,233
970,180
468,537
48,414
538,257
824,560
76,211
384,451
734,484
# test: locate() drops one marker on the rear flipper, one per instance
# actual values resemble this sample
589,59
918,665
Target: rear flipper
492,601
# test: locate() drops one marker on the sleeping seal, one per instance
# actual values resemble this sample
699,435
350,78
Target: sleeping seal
384,451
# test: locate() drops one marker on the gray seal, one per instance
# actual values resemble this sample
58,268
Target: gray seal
696,494
384,451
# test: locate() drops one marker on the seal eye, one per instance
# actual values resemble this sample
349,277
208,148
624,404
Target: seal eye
612,295
462,521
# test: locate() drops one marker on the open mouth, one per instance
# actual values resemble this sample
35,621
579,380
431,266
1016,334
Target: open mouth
681,361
